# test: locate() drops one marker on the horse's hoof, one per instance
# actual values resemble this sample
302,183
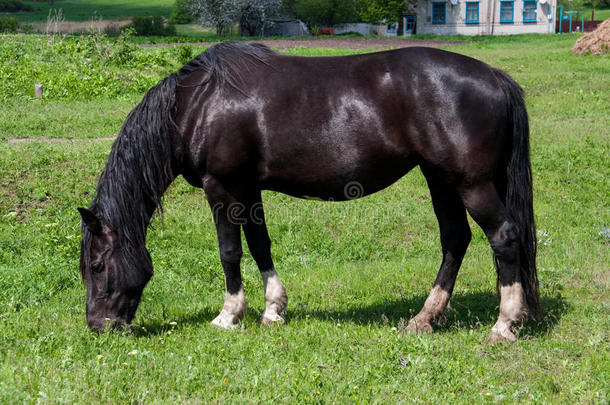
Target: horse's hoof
418,327
505,337
225,321
272,320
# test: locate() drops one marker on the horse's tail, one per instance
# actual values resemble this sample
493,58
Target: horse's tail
518,198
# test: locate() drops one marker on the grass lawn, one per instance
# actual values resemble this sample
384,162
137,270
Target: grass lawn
355,272
84,10
602,14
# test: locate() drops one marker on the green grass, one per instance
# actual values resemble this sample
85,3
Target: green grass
602,14
354,271
85,10
194,30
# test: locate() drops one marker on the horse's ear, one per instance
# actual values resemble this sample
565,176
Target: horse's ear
92,222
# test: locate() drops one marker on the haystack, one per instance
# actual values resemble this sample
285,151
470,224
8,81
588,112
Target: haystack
596,42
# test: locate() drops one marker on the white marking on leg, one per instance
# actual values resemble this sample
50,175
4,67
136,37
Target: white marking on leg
276,299
512,311
432,311
436,303
233,311
512,300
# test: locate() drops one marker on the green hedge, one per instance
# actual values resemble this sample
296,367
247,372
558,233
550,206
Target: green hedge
8,24
147,26
14,5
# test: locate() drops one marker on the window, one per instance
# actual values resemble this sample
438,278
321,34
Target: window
472,12
391,28
529,11
507,11
438,13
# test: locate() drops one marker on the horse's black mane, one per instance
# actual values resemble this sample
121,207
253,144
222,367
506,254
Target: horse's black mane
138,169
226,61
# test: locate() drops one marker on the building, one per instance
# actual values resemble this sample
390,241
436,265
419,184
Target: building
485,17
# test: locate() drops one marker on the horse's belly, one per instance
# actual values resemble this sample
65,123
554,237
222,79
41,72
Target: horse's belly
340,183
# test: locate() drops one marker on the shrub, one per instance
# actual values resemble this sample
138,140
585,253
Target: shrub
112,30
8,24
181,13
124,49
147,26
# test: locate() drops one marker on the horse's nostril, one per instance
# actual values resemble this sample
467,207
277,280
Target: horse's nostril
103,324
96,325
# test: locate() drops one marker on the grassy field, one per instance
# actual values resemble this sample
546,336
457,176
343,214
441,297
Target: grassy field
355,272
85,10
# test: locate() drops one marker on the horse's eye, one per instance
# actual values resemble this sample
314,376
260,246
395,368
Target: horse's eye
97,267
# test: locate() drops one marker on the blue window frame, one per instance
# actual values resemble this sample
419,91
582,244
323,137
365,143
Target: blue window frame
507,11
472,12
438,12
529,10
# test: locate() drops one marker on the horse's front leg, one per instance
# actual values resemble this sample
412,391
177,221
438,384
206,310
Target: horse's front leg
259,244
223,204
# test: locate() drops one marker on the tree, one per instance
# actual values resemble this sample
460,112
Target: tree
181,13
254,15
317,13
377,11
219,14
222,14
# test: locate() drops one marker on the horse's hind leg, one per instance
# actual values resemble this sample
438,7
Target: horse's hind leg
486,208
455,237
259,244
229,243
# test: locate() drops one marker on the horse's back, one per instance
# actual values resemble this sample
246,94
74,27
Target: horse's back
296,123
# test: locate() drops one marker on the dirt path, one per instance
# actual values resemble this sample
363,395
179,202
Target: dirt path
347,43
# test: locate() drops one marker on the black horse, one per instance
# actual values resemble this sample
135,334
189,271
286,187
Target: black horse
240,118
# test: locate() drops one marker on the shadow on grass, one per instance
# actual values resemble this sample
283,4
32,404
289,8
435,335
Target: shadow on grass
468,311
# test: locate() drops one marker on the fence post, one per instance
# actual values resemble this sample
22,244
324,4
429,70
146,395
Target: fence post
38,90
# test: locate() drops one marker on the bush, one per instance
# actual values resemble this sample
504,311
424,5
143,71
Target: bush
14,5
112,30
8,24
147,26
181,13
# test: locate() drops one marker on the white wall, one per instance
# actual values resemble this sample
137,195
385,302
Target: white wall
489,19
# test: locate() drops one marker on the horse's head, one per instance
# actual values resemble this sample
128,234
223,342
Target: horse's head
114,280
